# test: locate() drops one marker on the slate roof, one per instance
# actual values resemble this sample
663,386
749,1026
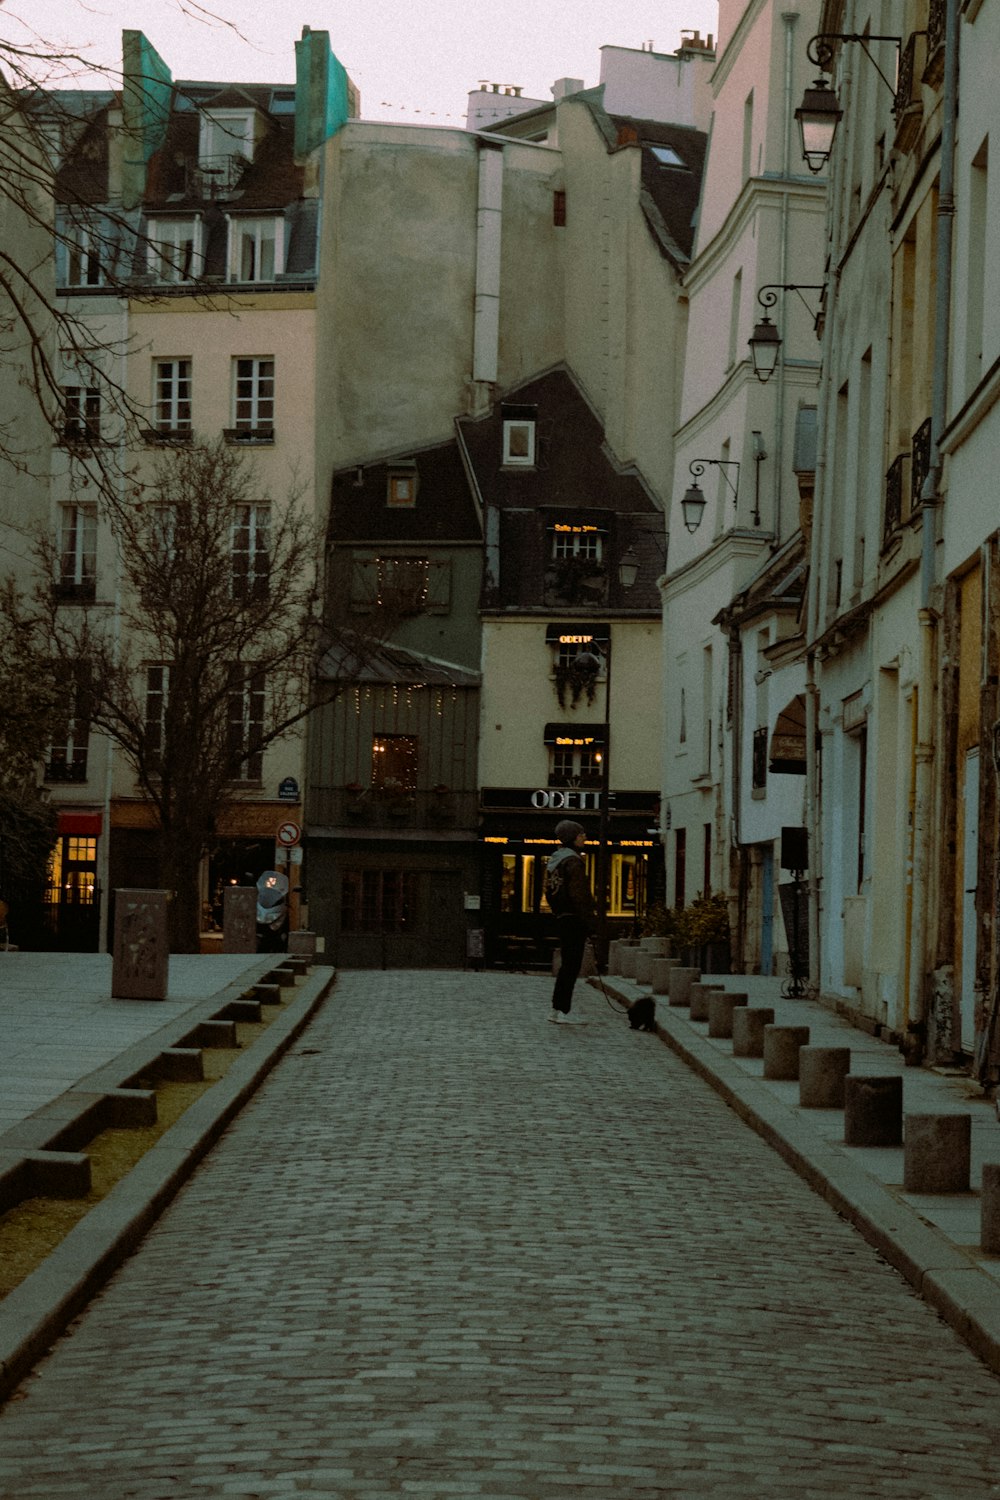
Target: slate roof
444,510
390,664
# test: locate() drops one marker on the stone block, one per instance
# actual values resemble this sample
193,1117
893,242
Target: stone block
822,1071
748,1029
283,977
239,919
58,1174
643,966
302,944
267,994
699,999
679,984
722,1004
179,1064
211,1034
937,1153
658,946
628,958
782,1045
873,1110
129,1109
141,947
659,977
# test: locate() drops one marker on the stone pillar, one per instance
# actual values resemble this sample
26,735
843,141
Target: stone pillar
302,943
782,1045
748,1029
822,1071
660,976
873,1110
679,985
989,1237
721,1006
142,946
644,961
614,948
239,919
699,999
628,957
937,1153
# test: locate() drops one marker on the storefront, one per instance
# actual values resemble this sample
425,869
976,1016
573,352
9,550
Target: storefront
518,835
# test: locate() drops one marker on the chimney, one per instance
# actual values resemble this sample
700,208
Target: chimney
563,87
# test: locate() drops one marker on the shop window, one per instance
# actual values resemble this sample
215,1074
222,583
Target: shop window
73,872
382,901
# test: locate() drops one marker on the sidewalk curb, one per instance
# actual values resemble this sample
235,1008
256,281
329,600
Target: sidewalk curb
947,1279
37,1311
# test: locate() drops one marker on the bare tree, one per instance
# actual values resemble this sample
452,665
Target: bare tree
209,658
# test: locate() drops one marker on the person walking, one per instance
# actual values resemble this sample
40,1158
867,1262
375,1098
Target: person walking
567,891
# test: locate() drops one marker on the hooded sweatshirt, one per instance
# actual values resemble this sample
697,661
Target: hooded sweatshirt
567,888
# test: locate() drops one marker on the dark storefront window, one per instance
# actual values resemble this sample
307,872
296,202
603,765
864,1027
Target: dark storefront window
378,901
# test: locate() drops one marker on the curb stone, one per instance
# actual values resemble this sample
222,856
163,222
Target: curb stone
36,1312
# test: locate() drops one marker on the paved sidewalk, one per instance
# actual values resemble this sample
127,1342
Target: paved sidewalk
58,1022
933,1239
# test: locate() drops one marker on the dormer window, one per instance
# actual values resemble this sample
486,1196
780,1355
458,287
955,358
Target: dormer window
175,251
401,486
577,541
224,133
519,432
256,248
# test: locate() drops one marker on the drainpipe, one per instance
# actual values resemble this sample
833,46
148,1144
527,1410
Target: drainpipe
923,824
789,18
489,231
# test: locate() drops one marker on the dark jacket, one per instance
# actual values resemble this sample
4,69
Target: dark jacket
567,888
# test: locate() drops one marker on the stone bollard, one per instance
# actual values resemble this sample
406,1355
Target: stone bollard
679,985
699,999
141,963
989,1236
822,1071
721,1007
613,963
643,966
660,976
937,1153
659,947
873,1110
748,1029
628,957
782,1045
239,919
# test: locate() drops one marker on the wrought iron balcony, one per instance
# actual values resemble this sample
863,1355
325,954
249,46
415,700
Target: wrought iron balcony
895,485
921,462
759,775
61,770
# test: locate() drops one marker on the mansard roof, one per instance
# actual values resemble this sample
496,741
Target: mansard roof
444,509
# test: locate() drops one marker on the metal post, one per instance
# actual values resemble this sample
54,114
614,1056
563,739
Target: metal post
604,853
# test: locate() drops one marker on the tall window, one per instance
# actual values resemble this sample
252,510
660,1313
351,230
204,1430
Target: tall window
174,252
251,551
253,395
748,136
78,550
246,722
977,261
157,691
225,133
83,253
256,248
680,866
735,309
67,756
81,413
172,395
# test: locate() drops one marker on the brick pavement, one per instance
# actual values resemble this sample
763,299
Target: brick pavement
449,1250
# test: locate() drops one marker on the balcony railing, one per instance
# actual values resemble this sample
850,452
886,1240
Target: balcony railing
759,776
895,487
68,591
59,770
920,466
372,808
249,437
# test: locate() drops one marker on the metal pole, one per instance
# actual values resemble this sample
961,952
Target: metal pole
603,853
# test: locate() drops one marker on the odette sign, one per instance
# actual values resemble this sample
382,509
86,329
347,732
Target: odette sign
569,800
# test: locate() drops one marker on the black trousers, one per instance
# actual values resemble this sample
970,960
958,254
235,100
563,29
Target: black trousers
572,942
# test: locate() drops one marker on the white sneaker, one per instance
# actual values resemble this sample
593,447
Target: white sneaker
571,1020
558,1017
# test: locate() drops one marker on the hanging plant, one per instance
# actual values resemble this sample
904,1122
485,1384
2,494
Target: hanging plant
577,678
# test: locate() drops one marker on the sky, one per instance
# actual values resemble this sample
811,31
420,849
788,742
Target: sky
414,61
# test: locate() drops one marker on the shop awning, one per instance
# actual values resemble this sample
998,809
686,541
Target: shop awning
83,824
577,633
788,742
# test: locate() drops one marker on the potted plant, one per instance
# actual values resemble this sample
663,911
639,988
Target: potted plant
577,677
701,930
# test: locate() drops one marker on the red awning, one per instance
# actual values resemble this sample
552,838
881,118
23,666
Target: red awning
83,824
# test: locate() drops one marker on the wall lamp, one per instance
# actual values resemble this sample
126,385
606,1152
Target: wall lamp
819,113
765,340
693,504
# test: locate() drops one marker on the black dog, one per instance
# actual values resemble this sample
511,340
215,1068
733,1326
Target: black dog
642,1014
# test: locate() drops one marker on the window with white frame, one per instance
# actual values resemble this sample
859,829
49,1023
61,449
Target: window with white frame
576,767
577,541
154,724
81,413
67,753
225,133
251,551
253,395
174,251
78,549
256,248
84,252
172,395
246,723
518,443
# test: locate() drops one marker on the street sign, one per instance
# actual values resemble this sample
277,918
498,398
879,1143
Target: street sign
288,834
288,790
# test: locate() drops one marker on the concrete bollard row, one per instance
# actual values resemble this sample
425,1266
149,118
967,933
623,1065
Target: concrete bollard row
679,984
822,1071
782,1045
937,1153
659,978
873,1110
748,1029
722,1006
699,1000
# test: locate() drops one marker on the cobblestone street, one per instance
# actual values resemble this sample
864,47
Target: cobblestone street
450,1250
